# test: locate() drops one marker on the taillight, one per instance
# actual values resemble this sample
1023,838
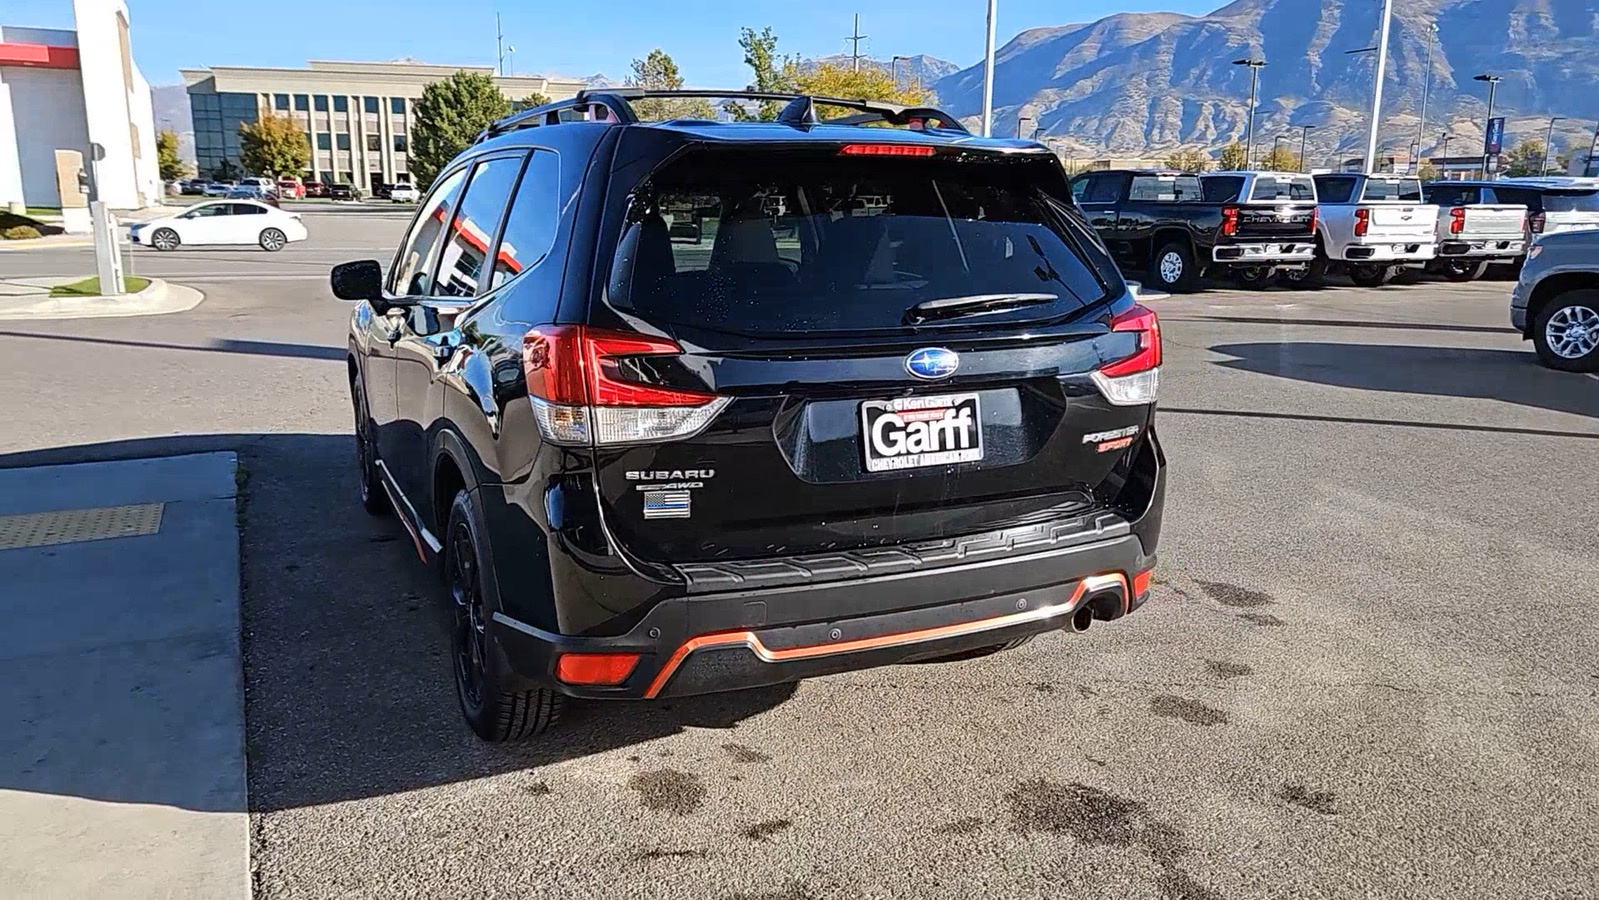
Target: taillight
1133,380
1229,221
1313,211
886,150
1457,220
583,397
1362,222
1535,222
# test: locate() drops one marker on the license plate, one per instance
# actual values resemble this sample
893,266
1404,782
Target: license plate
912,432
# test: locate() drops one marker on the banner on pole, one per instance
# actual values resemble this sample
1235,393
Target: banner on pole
1494,141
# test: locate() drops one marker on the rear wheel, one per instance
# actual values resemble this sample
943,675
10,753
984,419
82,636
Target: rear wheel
1464,269
273,240
493,708
1174,269
1370,275
1254,278
165,239
1566,332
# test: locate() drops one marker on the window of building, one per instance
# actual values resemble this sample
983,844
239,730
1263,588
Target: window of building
280,101
320,101
341,104
409,274
530,226
370,104
301,103
397,105
344,141
473,230
324,141
401,144
373,143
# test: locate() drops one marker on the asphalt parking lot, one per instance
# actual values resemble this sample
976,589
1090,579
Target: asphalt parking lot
1369,670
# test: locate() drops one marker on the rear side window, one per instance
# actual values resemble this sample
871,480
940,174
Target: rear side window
1335,188
531,223
1402,189
1221,188
1102,188
1276,188
1165,187
1451,195
409,274
1571,201
1523,196
775,243
475,224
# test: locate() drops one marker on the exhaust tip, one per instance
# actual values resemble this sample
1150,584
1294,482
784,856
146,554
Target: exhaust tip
1081,619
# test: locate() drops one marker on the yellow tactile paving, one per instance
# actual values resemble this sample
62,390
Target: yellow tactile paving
71,526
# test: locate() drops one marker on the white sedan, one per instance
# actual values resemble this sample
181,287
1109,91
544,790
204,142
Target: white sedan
224,222
404,193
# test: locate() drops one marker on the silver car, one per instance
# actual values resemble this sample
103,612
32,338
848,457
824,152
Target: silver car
1556,303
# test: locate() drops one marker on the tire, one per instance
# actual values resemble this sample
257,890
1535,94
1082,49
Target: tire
1173,268
1463,270
1566,332
1369,275
273,240
493,709
165,240
1313,277
1253,278
374,499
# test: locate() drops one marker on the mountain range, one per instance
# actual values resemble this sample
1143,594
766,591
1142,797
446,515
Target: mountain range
1139,83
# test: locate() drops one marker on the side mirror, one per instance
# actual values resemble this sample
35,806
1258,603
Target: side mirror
359,280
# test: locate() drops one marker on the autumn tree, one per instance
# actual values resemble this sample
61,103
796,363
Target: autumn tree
1427,172
844,82
1280,159
1188,159
274,145
1526,158
1234,157
449,115
658,72
166,152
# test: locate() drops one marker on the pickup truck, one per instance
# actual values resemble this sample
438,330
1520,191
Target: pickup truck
1160,222
1473,232
1279,206
1371,226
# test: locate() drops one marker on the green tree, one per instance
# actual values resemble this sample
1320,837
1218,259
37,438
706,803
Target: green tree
449,115
1526,158
870,83
658,72
1188,159
760,54
528,102
1280,159
166,153
274,145
1234,157
1427,171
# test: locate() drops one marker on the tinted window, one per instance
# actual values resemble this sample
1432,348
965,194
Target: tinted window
1571,201
321,102
397,105
1165,187
530,226
344,140
300,102
323,141
1335,188
370,104
772,243
1450,194
476,222
247,209
280,101
203,212
409,275
1402,189
341,104
1103,188
1269,187
1221,188
1079,185
1523,196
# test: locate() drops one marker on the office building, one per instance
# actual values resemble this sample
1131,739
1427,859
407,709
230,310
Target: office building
357,116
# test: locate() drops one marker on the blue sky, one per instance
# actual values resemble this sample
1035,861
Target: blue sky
572,37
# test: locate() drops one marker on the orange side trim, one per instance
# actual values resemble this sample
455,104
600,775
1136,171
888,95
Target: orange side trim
751,640
399,513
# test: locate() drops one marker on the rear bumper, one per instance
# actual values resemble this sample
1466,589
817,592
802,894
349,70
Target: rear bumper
1408,252
1266,253
1483,249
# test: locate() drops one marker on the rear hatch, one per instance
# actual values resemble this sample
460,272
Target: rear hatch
1279,206
1397,211
859,345
1570,210
1494,222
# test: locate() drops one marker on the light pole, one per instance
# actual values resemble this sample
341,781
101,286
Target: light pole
1548,147
1487,122
1255,65
1426,91
893,68
1304,134
1276,144
1019,121
1376,89
988,75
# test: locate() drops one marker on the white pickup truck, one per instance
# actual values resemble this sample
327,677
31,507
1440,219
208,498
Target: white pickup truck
1371,226
1474,232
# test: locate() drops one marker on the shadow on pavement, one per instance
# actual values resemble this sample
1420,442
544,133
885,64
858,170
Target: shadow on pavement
224,345
1511,376
1345,323
348,691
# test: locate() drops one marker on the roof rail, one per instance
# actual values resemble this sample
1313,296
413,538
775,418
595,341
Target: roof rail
800,110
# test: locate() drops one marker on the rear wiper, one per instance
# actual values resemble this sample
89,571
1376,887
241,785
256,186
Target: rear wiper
973,305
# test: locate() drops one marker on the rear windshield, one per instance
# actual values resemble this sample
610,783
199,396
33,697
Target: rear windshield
1571,201
772,243
1168,188
1401,189
1277,188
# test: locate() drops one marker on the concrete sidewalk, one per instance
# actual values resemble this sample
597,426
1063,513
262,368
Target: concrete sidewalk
29,298
122,770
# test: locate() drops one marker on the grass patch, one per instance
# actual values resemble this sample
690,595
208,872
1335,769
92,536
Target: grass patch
39,211
90,287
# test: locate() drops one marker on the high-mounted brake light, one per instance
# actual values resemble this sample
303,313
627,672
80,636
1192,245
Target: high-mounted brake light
1229,221
1133,380
1457,220
886,150
582,396
1362,222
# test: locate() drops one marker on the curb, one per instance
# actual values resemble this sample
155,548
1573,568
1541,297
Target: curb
43,244
158,298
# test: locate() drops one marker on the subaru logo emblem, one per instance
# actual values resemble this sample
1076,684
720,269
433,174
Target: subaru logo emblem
932,363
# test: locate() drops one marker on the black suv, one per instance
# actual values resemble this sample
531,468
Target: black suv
691,406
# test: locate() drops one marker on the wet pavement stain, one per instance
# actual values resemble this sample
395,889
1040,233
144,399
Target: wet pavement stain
1235,596
963,825
1173,707
1323,802
1262,619
760,831
743,754
1225,669
793,890
666,790
538,789
661,853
